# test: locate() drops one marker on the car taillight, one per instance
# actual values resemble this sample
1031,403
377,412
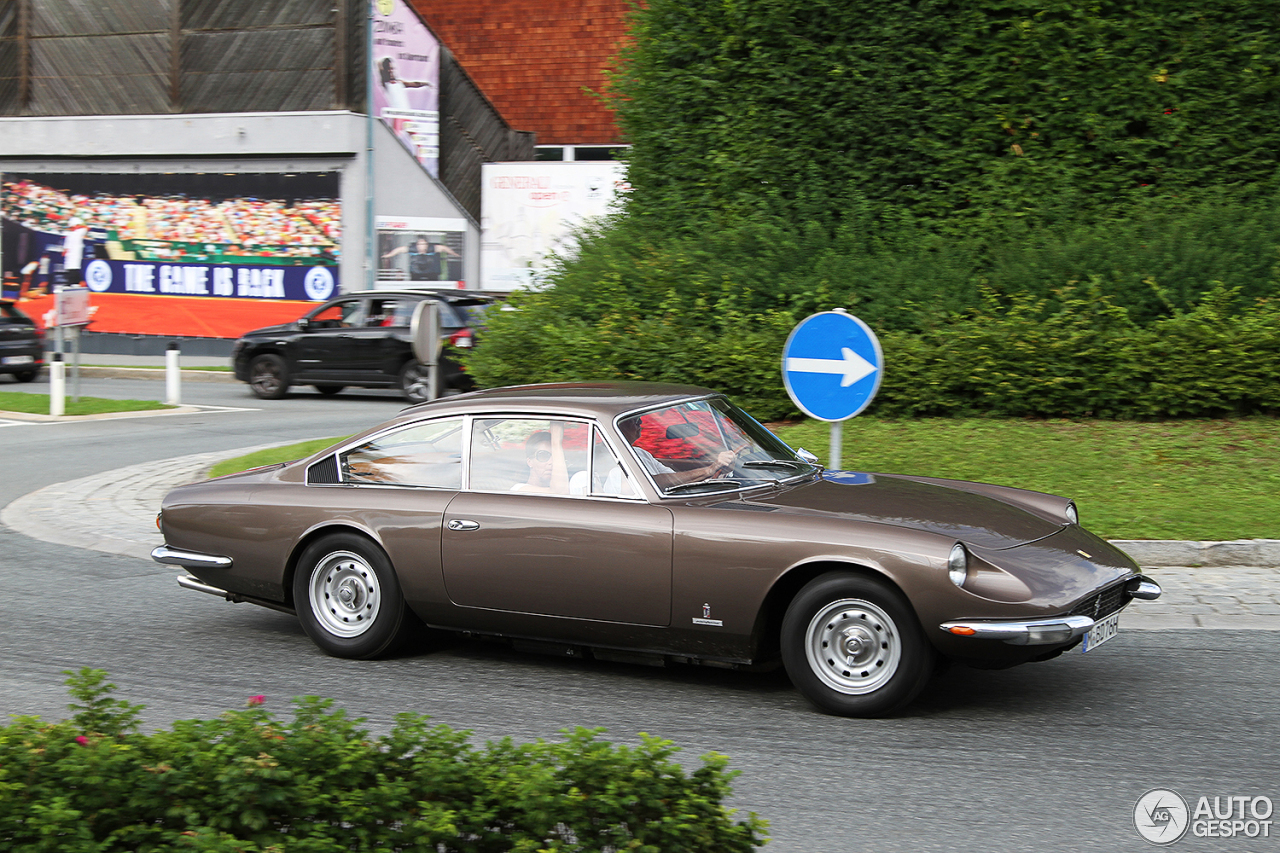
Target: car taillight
461,338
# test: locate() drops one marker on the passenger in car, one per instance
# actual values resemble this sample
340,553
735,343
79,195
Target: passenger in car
544,454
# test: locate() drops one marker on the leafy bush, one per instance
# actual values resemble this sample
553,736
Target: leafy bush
248,783
1071,354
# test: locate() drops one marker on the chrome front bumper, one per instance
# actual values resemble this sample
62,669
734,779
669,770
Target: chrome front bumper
1045,632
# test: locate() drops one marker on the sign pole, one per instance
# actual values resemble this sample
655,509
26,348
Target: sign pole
371,249
837,439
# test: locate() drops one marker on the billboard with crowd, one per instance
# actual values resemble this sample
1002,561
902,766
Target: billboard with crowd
244,236
406,78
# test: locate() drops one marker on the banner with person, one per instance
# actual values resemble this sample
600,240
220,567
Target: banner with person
405,70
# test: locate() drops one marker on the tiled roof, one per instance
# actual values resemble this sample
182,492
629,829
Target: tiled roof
538,61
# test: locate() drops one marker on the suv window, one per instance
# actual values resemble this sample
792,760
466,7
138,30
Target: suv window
340,315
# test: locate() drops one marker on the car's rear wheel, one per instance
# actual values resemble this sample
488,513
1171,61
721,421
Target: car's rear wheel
414,382
26,375
347,597
268,377
330,390
852,646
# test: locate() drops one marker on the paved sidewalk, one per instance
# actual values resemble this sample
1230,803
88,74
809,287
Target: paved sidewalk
116,513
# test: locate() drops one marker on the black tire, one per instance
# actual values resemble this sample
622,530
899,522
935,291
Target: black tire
269,377
330,390
414,382
27,375
886,660
348,599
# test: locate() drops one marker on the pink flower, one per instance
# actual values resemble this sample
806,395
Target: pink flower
256,700
82,740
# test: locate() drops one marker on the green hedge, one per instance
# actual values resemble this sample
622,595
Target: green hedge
1074,354
249,783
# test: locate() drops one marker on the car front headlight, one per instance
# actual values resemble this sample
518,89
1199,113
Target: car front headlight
1072,515
958,565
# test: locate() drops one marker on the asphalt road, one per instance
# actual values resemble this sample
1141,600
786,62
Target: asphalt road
1045,756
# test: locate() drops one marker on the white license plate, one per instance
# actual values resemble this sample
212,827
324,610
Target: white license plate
18,359
1101,632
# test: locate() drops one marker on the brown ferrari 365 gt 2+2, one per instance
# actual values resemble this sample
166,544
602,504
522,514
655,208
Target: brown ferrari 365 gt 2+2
651,522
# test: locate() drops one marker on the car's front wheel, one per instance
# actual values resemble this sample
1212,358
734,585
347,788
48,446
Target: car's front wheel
268,377
852,646
347,597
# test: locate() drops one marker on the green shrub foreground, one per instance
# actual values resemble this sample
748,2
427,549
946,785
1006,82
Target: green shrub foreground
249,783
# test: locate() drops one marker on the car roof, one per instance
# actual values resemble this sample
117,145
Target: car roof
602,400
453,297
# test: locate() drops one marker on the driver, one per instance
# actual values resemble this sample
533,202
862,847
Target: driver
722,464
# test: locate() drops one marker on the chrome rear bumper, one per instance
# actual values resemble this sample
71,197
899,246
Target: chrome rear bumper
189,559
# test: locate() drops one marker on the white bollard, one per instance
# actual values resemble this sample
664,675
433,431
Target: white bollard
57,386
172,375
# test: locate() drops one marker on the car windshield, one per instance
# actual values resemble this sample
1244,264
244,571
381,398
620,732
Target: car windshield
709,445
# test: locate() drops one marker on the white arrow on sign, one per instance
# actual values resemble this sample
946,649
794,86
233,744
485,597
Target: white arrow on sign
851,368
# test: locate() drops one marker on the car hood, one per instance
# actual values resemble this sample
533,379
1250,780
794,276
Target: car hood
974,519
273,330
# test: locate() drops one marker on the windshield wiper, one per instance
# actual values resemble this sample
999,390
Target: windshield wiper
775,463
711,481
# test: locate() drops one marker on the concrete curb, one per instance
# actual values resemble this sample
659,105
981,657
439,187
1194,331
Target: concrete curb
97,372
1175,552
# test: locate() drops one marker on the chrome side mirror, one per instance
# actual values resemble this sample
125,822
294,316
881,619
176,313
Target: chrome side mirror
806,456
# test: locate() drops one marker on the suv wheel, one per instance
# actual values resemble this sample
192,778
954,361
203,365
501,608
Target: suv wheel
268,377
415,382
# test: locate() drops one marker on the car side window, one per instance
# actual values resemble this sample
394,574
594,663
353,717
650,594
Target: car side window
428,454
389,312
533,455
342,315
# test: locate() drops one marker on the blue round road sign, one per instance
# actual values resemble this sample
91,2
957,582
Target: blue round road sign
831,365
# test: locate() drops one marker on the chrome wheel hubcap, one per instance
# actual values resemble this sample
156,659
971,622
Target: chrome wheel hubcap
345,594
853,646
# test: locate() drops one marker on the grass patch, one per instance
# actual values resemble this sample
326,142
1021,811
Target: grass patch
1202,479
38,404
1171,480
272,455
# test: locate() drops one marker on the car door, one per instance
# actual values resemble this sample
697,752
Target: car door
326,348
382,343
576,549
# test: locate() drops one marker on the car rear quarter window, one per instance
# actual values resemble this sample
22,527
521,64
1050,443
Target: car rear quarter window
428,454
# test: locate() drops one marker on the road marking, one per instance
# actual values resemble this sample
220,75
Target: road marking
852,367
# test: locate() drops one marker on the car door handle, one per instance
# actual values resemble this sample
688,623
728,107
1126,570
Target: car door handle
463,524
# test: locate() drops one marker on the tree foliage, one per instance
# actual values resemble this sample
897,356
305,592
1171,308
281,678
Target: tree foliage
951,110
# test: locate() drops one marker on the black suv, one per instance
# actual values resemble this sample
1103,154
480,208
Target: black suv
361,339
21,344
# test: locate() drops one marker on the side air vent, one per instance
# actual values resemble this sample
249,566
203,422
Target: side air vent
323,472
